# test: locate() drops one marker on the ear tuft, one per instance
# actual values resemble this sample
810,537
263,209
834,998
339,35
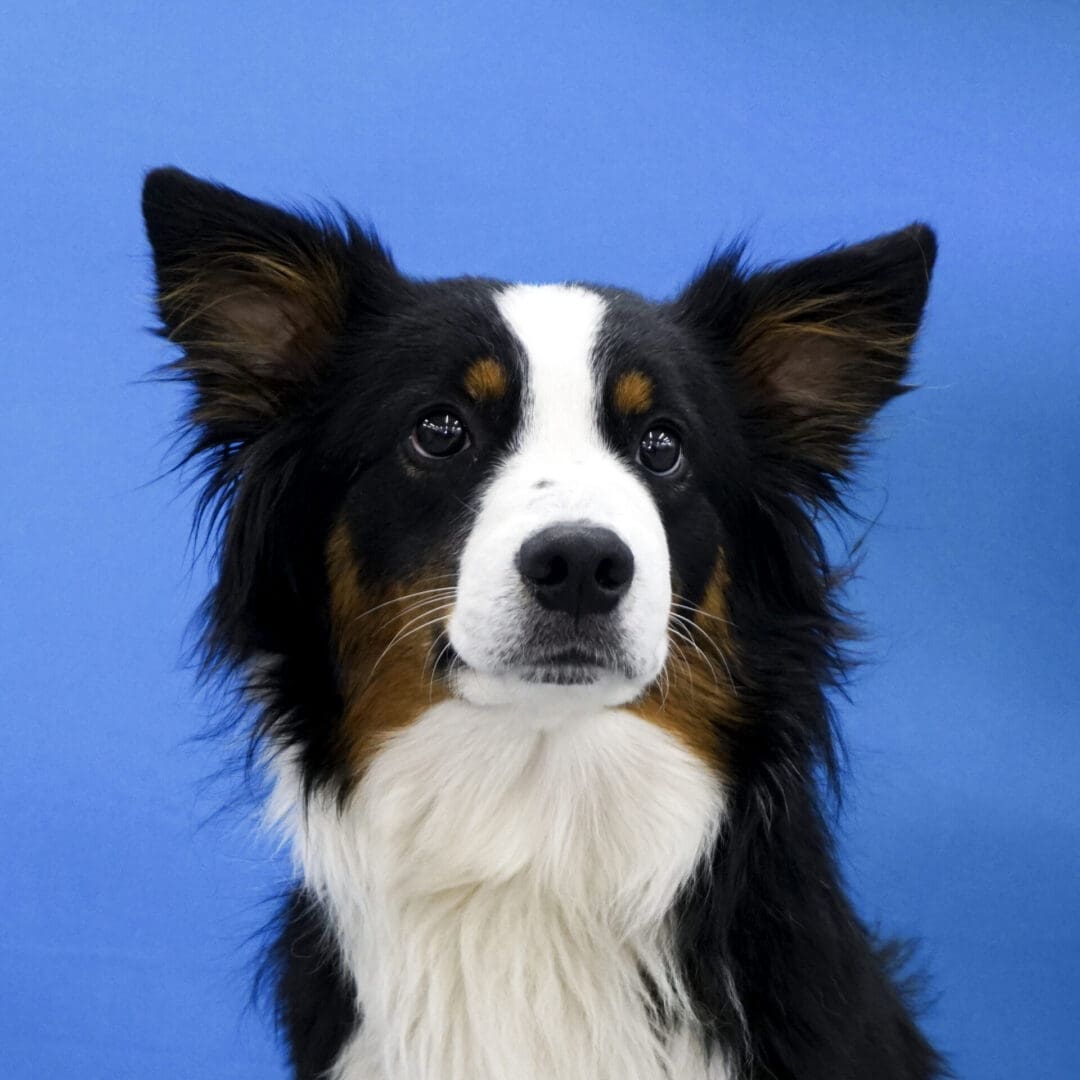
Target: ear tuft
818,346
254,295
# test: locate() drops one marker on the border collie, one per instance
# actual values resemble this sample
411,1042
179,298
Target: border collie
525,589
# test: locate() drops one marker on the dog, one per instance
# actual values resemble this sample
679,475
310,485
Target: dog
526,592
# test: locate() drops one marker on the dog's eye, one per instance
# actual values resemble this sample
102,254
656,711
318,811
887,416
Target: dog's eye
440,434
660,450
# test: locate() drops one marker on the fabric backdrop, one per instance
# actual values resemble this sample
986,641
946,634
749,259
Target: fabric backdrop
614,142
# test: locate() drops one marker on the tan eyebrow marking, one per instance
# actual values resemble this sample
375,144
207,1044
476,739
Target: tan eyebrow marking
486,380
633,393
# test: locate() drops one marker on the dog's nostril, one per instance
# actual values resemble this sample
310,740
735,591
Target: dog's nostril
556,573
542,569
611,574
578,568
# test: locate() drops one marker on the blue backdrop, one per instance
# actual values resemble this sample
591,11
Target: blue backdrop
611,141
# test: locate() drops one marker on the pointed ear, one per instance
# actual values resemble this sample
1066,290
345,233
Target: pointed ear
254,295
817,347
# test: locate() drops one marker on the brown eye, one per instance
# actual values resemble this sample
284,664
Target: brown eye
440,434
660,450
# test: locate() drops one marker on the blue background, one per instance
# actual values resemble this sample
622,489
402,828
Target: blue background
610,141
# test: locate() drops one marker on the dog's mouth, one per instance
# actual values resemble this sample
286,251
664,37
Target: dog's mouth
567,667
573,665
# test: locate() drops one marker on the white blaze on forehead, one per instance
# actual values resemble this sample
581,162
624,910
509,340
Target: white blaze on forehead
557,326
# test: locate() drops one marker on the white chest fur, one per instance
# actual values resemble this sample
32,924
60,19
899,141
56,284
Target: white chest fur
502,891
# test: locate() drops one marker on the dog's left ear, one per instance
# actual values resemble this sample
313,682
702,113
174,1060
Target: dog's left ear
816,347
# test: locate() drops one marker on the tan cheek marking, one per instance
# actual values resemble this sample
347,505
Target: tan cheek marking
695,697
387,684
633,393
486,380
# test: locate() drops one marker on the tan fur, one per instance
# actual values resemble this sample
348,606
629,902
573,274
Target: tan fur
215,295
252,325
486,380
633,393
828,371
387,683
695,695
827,316
803,348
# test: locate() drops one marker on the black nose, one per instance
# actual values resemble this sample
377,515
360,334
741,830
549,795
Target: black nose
576,568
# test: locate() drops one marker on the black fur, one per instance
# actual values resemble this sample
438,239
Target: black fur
305,387
315,1002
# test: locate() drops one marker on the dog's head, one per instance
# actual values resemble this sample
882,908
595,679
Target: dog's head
553,498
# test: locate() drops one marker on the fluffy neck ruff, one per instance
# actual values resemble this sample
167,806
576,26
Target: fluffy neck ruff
502,894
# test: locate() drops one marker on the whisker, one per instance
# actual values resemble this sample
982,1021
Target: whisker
682,602
398,599
435,667
692,628
429,609
701,652
663,681
697,648
680,655
468,506
441,597
400,636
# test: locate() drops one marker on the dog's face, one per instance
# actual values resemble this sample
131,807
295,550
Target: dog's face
554,446
555,498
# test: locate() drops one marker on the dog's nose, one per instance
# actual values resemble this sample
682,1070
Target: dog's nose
577,568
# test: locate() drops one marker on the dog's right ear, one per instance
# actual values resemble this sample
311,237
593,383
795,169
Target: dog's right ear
255,296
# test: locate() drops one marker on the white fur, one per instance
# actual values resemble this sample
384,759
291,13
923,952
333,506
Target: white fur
498,891
559,445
